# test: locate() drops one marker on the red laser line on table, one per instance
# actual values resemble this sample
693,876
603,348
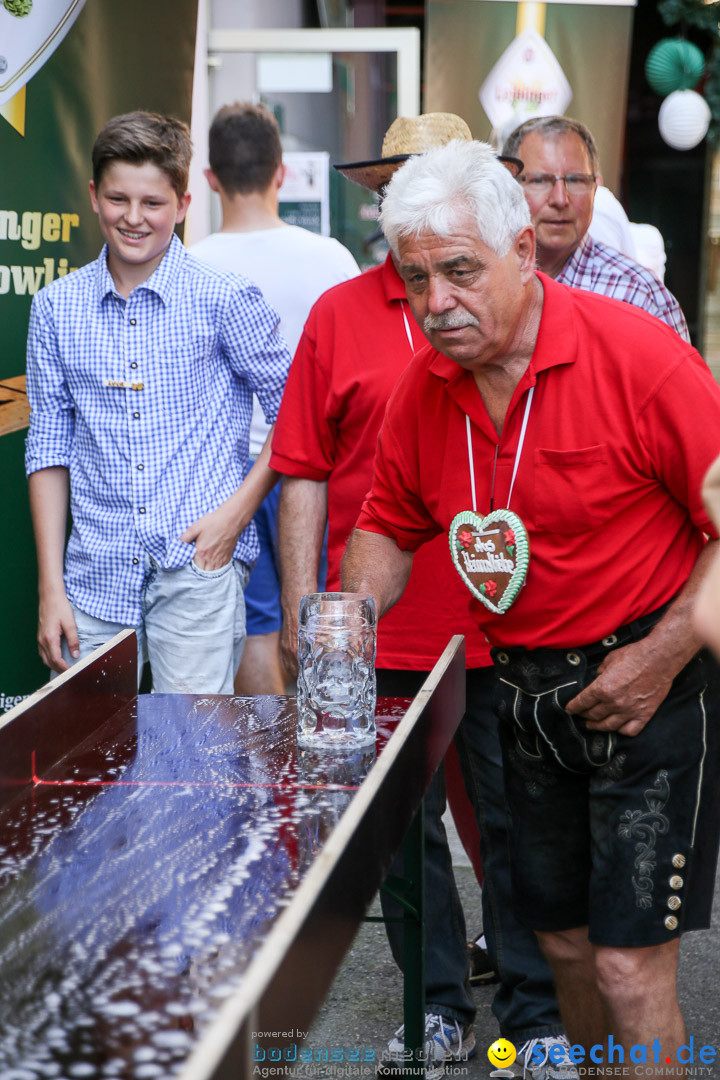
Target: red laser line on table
38,781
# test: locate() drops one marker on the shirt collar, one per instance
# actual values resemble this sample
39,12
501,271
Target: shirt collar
579,259
162,281
393,284
556,342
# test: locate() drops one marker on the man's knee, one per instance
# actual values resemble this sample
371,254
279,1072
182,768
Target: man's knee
627,973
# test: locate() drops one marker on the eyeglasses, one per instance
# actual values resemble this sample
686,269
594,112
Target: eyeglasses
542,183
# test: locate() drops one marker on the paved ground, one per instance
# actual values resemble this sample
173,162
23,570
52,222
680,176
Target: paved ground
365,1004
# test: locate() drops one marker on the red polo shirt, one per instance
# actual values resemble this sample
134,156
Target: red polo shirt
624,423
354,348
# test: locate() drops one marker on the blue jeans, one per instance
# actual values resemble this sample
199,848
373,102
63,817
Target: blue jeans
524,1004
192,629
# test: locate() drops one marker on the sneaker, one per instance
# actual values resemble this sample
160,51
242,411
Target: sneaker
482,972
533,1060
446,1041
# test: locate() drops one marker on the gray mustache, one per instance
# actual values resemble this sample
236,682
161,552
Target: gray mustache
449,320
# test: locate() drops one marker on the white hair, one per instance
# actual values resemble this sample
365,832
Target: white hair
432,191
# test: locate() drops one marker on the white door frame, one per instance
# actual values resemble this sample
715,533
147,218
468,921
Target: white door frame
404,42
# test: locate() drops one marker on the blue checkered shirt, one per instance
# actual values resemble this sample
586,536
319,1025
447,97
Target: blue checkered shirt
146,462
598,268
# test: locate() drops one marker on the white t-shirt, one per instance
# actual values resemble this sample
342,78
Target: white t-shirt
610,223
292,267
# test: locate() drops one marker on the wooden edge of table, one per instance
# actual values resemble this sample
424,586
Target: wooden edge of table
65,711
14,405
302,951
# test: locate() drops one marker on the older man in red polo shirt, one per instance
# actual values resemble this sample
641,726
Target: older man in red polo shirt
358,339
560,439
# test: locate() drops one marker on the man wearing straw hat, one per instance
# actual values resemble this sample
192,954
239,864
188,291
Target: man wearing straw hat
359,338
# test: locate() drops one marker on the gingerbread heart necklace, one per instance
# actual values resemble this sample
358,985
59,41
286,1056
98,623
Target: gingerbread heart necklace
492,553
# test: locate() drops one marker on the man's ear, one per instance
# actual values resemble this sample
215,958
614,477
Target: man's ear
212,180
524,247
183,204
279,177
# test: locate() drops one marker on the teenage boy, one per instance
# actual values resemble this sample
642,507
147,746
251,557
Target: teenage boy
141,371
292,267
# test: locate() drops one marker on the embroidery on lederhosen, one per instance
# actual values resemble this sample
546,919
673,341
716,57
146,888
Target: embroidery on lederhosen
644,827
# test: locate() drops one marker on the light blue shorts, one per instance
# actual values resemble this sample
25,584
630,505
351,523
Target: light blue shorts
192,630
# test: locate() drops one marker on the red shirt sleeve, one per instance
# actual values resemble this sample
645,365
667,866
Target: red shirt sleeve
304,439
679,425
393,506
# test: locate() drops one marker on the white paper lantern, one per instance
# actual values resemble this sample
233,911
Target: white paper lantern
683,119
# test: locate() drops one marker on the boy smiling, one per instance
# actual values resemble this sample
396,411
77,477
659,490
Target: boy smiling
137,210
141,371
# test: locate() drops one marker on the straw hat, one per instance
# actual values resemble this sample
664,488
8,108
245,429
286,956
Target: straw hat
410,135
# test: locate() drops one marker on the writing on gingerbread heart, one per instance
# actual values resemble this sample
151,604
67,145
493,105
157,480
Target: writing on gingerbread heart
491,555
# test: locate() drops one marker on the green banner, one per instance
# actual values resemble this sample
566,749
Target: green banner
65,69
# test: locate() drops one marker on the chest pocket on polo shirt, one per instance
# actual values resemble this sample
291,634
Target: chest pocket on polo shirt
570,488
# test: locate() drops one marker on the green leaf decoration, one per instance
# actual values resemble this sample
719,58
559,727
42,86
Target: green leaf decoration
19,7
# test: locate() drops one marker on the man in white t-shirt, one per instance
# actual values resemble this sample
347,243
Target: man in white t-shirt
292,267
610,224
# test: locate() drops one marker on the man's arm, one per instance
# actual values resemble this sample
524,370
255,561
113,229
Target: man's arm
711,491
706,615
375,564
633,681
302,516
49,494
215,534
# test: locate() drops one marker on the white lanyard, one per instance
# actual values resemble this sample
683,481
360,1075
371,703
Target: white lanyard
407,327
521,440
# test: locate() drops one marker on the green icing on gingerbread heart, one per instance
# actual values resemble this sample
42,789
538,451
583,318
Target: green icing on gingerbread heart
491,555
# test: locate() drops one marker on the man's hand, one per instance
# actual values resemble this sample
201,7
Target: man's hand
629,689
215,535
633,681
55,621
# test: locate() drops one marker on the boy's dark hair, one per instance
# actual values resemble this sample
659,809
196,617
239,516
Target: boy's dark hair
140,137
245,148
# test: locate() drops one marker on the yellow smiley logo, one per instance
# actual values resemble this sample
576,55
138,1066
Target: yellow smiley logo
502,1053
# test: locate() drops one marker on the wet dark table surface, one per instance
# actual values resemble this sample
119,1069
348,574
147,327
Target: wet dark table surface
139,875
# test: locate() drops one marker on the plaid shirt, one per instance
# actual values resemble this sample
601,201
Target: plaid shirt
598,268
147,402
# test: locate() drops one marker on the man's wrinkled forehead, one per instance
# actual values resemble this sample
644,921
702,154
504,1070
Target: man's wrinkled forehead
461,245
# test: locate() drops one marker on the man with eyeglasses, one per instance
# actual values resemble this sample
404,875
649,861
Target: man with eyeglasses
560,176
